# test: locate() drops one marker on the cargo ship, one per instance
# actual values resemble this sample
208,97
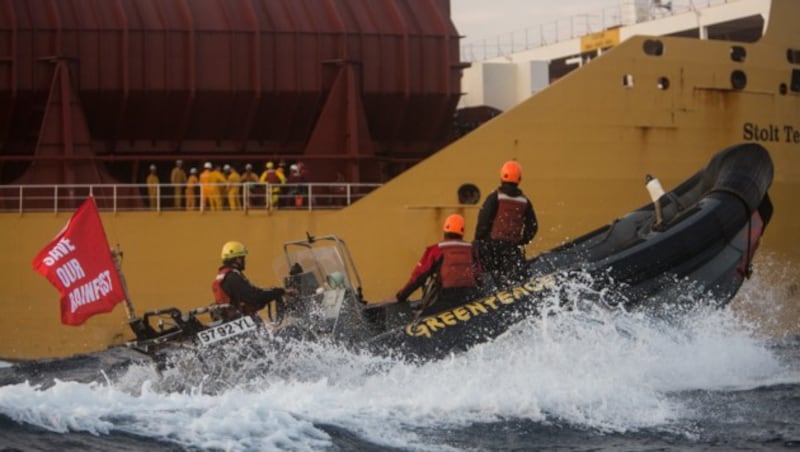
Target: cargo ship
658,105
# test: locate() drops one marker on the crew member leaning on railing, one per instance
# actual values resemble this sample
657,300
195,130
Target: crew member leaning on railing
249,179
298,191
270,176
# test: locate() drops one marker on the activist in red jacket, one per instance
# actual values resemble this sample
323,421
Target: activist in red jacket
454,265
232,287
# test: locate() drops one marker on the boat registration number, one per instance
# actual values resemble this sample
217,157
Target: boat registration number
226,330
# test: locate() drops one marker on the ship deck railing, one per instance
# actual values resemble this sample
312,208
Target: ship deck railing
575,26
252,196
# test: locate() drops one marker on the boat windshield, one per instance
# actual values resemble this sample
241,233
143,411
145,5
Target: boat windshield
323,272
323,262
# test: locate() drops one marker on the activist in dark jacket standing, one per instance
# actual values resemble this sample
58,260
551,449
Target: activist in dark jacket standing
454,265
232,287
506,223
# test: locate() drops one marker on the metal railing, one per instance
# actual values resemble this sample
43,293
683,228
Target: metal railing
161,197
565,29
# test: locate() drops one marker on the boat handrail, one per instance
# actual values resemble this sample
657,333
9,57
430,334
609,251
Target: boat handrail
575,26
252,196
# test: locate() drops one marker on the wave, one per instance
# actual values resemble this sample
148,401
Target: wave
607,371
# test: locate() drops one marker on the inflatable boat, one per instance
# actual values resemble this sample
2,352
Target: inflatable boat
697,238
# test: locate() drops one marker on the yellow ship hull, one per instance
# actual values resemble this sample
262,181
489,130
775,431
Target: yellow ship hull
585,144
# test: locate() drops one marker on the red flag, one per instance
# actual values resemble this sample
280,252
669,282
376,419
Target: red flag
79,263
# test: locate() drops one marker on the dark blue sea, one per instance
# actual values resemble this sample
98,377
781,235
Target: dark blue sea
711,379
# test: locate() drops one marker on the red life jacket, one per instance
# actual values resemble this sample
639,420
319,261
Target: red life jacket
458,264
510,218
272,177
219,295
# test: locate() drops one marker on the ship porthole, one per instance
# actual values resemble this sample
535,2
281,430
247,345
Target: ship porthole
469,194
653,47
795,85
738,54
663,83
793,56
738,80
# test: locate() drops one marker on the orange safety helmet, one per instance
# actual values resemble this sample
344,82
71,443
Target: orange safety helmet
511,172
454,224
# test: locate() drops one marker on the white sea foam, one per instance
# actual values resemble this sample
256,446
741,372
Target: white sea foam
608,371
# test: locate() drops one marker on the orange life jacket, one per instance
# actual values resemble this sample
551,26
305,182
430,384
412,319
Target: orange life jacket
510,218
458,264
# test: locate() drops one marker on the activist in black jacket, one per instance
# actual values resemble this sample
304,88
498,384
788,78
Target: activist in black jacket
232,287
506,223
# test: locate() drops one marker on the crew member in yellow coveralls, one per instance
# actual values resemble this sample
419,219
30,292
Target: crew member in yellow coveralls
152,187
207,188
218,183
270,176
234,183
177,178
191,189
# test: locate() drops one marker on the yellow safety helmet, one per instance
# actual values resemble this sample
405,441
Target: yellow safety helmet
454,224
233,249
511,172
269,165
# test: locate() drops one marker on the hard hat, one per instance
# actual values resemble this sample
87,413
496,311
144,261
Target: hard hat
294,167
248,167
226,167
269,165
193,171
233,249
179,162
454,224
208,165
511,172
152,167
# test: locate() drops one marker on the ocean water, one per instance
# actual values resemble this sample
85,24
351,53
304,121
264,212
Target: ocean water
713,379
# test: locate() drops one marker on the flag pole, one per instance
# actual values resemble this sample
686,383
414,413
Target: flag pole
116,253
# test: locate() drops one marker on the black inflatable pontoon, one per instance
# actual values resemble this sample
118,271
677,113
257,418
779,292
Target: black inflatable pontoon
698,238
